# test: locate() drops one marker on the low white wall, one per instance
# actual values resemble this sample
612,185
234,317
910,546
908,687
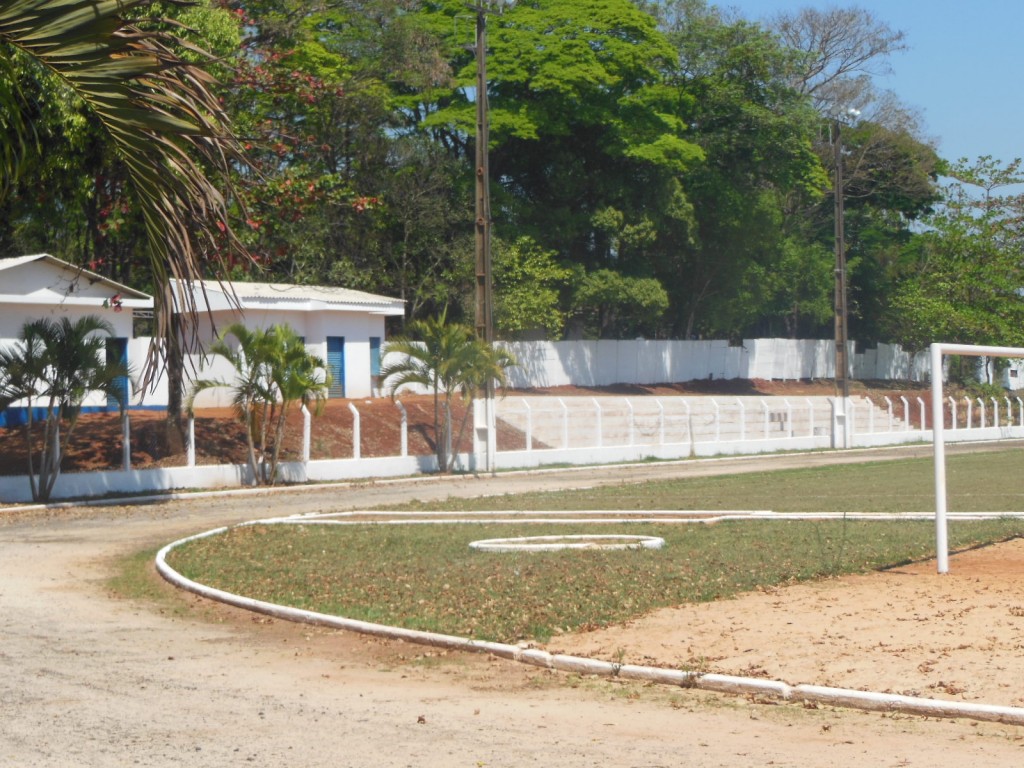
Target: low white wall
584,430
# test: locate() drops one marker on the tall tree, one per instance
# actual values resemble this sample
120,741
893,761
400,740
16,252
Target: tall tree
105,97
343,193
840,50
961,280
588,145
757,132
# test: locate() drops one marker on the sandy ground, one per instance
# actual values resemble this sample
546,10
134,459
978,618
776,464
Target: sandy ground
908,631
90,680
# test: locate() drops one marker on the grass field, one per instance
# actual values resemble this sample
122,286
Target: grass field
427,577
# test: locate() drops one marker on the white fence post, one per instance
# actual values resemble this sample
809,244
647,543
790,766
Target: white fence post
718,423
565,424
661,422
789,418
405,428
126,446
906,414
529,425
307,433
447,437
190,449
629,405
952,410
981,407
689,425
995,412
357,433
810,416
969,404
888,408
1020,407
600,427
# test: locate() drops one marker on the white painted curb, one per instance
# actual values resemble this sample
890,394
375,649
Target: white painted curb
835,697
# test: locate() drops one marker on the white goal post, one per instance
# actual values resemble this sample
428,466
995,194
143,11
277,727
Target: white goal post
938,417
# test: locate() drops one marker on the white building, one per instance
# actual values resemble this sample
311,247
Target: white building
344,327
42,286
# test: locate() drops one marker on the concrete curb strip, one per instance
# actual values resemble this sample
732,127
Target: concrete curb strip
746,686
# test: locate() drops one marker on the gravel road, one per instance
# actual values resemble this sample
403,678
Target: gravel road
90,680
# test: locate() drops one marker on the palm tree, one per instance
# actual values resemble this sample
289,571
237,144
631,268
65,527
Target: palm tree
159,113
272,371
299,377
54,365
447,359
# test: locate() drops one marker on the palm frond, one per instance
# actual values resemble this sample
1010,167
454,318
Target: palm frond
161,115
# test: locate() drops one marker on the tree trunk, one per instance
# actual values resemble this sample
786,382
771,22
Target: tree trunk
174,425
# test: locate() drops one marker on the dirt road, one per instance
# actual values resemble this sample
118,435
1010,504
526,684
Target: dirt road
89,680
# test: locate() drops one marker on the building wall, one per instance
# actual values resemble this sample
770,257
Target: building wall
13,317
356,328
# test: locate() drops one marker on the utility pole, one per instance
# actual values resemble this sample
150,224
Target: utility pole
485,426
842,364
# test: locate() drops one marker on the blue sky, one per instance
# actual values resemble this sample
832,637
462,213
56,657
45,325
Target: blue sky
964,70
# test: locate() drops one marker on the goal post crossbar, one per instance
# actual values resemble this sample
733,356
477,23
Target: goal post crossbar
938,426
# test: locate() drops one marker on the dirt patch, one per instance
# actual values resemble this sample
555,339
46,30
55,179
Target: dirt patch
98,440
908,631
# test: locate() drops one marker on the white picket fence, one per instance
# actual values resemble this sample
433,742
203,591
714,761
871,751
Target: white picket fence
592,430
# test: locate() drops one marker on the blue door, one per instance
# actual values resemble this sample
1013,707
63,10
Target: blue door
336,365
117,352
375,364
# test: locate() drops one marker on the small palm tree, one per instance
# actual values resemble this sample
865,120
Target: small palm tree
447,359
273,371
54,365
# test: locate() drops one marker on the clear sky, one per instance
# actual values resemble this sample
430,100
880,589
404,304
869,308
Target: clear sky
964,70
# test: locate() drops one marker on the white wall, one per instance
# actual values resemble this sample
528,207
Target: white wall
600,363
315,327
13,316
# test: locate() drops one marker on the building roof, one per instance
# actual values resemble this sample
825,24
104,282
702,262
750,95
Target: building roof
292,297
77,285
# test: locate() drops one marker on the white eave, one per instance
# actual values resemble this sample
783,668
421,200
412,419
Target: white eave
299,298
129,297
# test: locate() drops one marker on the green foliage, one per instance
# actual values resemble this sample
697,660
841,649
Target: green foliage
757,133
985,391
528,282
54,365
660,140
961,279
272,372
447,360
795,287
613,306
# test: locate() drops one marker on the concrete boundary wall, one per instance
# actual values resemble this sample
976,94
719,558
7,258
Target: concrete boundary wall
641,361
